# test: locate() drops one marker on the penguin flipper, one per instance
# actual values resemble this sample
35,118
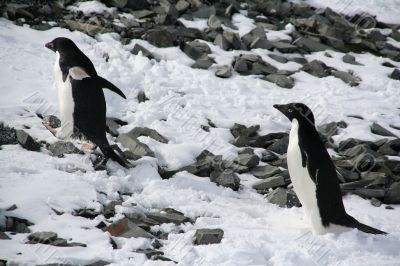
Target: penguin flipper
350,221
103,83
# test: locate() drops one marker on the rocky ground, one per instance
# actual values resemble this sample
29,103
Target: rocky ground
275,42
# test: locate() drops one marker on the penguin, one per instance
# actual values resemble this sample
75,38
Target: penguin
314,175
81,98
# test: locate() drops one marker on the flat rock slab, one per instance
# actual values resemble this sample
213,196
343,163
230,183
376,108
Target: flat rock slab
208,236
127,229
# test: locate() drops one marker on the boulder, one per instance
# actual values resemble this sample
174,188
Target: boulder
160,38
196,49
208,236
393,194
395,74
7,135
281,80
271,182
135,146
42,237
248,160
379,130
283,198
168,215
226,178
223,72
127,229
317,68
52,121
148,132
140,49
27,141
350,59
60,148
265,171
346,77
204,62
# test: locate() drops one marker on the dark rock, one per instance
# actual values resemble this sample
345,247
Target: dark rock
182,5
148,132
140,49
223,72
285,47
280,80
261,43
348,174
112,126
346,77
317,68
280,146
98,263
214,22
349,59
86,213
135,146
119,3
90,29
4,236
150,253
42,237
395,74
168,215
227,178
204,62
208,236
393,194
166,13
283,198
375,202
248,160
279,58
299,60
204,12
27,141
268,156
109,209
379,130
196,49
17,225
240,130
142,97
272,182
310,45
127,229
369,193
60,148
257,33
7,135
265,171
52,121
143,14
160,38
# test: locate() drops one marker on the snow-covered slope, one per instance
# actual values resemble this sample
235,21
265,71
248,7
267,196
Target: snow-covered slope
256,232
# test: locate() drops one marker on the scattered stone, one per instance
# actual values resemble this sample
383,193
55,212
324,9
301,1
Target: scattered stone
196,49
375,202
346,77
395,74
140,49
142,97
148,132
52,121
393,194
265,171
349,59
310,45
283,198
248,160
379,130
214,22
168,215
271,182
204,12
223,72
279,58
127,229
208,236
60,148
160,38
136,148
280,146
268,156
284,47
182,5
90,29
7,135
27,141
281,80
42,237
226,178
4,236
317,68
17,225
204,62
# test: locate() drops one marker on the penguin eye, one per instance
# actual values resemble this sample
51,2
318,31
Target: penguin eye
290,110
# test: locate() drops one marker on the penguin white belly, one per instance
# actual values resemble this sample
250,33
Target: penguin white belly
66,103
305,188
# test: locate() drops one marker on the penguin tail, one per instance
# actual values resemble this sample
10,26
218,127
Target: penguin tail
352,222
103,83
109,152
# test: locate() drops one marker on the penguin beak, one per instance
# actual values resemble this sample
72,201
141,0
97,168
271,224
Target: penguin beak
283,108
50,45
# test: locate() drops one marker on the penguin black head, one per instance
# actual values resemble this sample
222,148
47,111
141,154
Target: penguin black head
298,111
61,45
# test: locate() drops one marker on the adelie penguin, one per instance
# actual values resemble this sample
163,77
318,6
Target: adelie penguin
81,98
314,175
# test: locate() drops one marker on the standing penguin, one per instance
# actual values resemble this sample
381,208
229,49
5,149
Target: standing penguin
314,176
81,98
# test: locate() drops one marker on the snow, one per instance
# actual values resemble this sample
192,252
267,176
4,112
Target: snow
91,7
181,100
387,12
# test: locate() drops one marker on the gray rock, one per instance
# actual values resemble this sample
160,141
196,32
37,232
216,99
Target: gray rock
285,47
226,179
27,141
182,5
142,14
119,3
257,33
272,182
109,209
196,49
268,156
208,236
204,12
263,68
346,78
349,59
368,193
265,171
223,72
317,68
237,168
4,236
222,42
127,229
376,36
99,262
52,121
142,97
379,130
248,160
60,148
242,66
281,80
42,237
166,13
299,60
140,49
375,202
87,28
214,22
261,43
112,126
135,146
310,45
168,215
148,132
17,225
393,194
279,58
160,37
395,74
204,62
7,135
280,146
283,198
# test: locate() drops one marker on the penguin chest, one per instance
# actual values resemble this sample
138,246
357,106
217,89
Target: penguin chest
66,102
303,185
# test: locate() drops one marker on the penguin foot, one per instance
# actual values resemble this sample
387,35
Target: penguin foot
51,129
89,146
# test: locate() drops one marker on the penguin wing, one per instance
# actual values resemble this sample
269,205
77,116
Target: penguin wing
103,83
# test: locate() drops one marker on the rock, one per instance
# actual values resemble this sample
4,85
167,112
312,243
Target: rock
168,215
208,236
4,236
7,135
226,179
160,38
346,78
379,130
317,68
148,132
265,171
271,182
281,80
142,97
280,146
119,3
204,12
150,253
98,263
196,49
60,148
348,174
109,209
214,22
87,28
42,237
203,63
279,58
349,59
311,45
263,68
375,202
166,13
135,146
283,198
395,74
253,35
17,225
140,49
261,43
127,229
112,126
369,193
223,72
237,168
393,194
27,141
268,156
182,5
284,47
248,160
52,121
